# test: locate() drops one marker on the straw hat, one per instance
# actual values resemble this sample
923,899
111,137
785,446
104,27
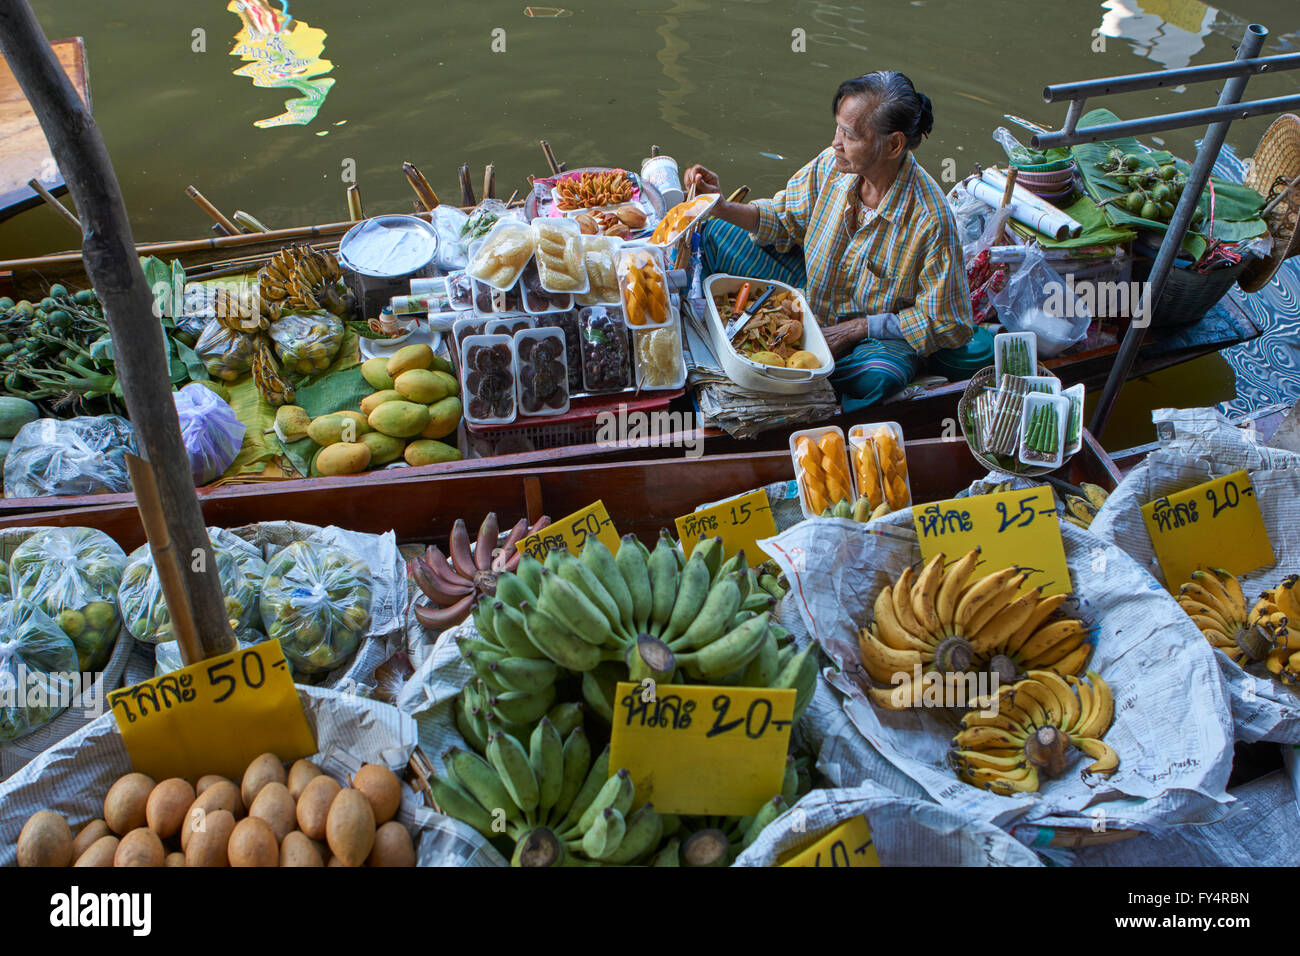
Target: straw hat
1276,163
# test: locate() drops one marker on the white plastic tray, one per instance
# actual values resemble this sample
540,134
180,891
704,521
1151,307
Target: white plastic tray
573,236
502,225
859,438
472,341
815,434
1034,401
539,334
1000,340
680,378
623,264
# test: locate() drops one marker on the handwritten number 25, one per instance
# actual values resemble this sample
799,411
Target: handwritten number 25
1024,516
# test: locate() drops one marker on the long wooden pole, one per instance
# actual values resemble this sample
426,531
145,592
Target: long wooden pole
140,356
57,206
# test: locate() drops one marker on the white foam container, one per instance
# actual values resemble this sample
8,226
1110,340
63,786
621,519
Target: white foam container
1034,401
508,325
473,341
1037,382
501,226
859,437
999,342
462,329
572,235
754,375
449,282
1075,394
513,299
537,335
815,434
705,204
615,246
444,321
626,257
679,380
523,295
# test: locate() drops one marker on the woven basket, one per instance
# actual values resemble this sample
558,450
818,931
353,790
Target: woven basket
984,379
1277,158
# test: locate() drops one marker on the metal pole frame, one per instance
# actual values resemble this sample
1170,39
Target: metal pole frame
1237,72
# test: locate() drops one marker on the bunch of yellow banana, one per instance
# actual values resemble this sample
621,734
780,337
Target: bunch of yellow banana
1081,511
1274,609
266,375
302,279
947,623
1215,602
244,311
1027,731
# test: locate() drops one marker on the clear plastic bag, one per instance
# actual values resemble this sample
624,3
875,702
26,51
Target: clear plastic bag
307,342
38,664
225,354
449,223
316,602
1037,300
167,656
480,222
69,456
5,593
144,610
212,433
73,575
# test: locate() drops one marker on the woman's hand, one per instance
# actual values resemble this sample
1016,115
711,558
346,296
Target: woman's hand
843,337
706,181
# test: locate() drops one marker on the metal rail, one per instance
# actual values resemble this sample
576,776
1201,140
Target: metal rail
1247,63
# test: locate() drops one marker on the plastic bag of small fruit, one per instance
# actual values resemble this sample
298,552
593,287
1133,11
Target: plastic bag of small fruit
307,342
316,602
37,657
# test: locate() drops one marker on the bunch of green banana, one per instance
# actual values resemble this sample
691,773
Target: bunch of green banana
772,580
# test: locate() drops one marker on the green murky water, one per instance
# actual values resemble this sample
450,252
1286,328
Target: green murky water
369,86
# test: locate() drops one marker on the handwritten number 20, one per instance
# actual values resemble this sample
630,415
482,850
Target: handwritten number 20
722,702
1231,498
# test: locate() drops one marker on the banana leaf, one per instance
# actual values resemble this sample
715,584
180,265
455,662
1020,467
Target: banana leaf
198,372
1236,207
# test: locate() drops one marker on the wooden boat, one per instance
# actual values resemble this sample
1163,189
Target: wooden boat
642,495
26,153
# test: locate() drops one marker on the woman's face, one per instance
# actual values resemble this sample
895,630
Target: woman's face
858,149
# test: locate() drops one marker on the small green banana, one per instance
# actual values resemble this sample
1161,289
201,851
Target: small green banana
644,830
770,811
600,560
480,780
455,802
577,761
557,642
546,757
511,763
719,606
631,565
595,781
692,591
566,717
664,574
524,674
604,835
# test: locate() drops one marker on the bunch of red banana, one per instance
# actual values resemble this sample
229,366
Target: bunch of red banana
454,582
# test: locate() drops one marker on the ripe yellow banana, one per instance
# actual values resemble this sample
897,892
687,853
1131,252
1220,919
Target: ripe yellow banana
1042,611
902,598
1067,703
883,662
993,636
955,577
1073,662
1038,695
900,697
985,737
926,591
1047,637
990,760
1000,721
1105,759
1006,782
979,594
1097,720
888,628
996,605
1224,600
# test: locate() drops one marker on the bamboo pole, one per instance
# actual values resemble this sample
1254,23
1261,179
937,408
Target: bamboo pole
490,181
216,214
550,158
140,356
423,191
58,207
466,187
355,212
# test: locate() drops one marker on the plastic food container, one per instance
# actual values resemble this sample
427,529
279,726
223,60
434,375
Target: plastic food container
754,375
1074,434
490,301
460,291
567,323
488,375
537,300
567,272
462,329
541,372
680,218
606,362
498,259
508,325
1043,384
1005,348
601,255
437,285
443,321
649,261
1033,402
860,442
816,435
650,342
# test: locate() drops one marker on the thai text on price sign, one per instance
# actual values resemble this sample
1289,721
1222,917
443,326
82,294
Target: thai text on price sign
1215,524
849,844
695,749
1012,529
214,716
741,522
572,533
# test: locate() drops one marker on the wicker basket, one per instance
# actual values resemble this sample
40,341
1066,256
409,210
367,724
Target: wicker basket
984,379
1276,163
1187,294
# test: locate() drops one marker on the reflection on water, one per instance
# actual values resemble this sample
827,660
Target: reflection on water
282,52
672,102
1169,32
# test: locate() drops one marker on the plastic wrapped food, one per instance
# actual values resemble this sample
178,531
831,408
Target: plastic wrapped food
567,322
225,354
316,602
144,610
487,364
307,342
37,666
167,656
460,291
538,300
540,370
480,222
503,254
5,594
659,357
198,308
643,287
606,365
560,263
508,326
601,272
210,429
69,456
73,575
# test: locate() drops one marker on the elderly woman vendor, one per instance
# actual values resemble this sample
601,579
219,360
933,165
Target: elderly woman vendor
866,233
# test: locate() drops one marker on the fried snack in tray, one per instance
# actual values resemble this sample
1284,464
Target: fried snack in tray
593,189
776,328
503,254
645,291
560,262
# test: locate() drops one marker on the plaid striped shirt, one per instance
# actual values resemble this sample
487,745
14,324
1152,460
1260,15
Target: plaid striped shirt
904,258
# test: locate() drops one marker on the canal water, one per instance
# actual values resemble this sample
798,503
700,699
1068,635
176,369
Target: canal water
273,107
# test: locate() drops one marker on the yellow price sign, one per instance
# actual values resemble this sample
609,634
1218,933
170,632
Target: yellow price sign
1013,528
214,716
849,844
572,533
1215,524
740,522
716,751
